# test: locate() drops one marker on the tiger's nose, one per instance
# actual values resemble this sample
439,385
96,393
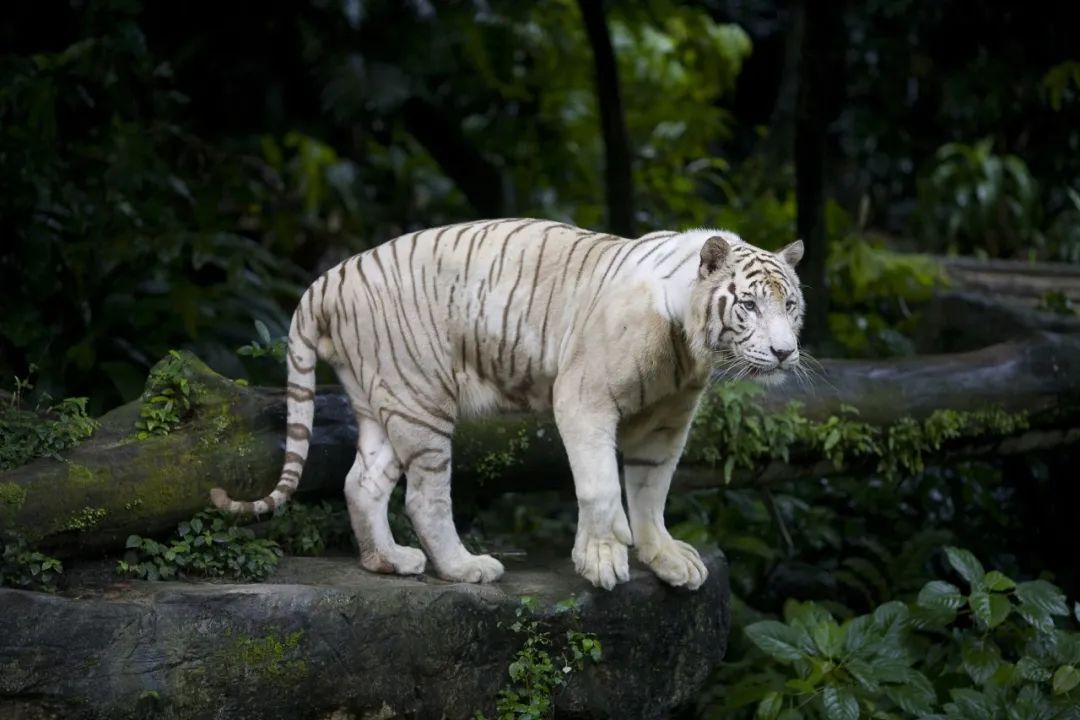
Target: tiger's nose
781,355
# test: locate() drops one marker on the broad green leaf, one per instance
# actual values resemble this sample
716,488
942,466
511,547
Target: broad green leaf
889,617
913,698
939,594
924,618
1065,679
1036,617
769,707
996,580
1031,670
979,601
133,541
864,673
858,635
1043,595
980,657
775,639
800,685
965,563
840,704
828,637
971,704
999,609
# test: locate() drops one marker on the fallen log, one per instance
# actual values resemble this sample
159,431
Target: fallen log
114,484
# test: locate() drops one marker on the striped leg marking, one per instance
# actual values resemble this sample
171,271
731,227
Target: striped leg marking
368,486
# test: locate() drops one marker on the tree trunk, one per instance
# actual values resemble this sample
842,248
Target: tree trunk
818,101
114,485
618,177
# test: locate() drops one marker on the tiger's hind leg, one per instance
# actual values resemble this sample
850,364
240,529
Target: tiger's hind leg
426,456
368,487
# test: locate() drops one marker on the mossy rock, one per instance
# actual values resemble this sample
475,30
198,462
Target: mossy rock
324,638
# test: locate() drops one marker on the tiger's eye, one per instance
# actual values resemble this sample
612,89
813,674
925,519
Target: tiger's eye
749,304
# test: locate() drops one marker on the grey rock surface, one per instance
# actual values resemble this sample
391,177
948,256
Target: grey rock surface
325,639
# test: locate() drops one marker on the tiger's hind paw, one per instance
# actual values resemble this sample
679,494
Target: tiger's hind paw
401,560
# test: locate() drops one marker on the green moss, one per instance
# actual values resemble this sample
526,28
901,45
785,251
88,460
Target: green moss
86,519
80,473
12,496
272,657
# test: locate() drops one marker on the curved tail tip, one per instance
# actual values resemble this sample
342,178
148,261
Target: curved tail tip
220,498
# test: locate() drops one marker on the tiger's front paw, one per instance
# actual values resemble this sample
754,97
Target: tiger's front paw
676,563
472,569
602,561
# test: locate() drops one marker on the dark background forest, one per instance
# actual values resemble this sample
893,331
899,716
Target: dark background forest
174,173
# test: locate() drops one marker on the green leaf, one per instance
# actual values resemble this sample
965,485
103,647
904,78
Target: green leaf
916,698
971,704
1036,617
998,581
840,704
979,601
939,594
133,541
999,609
1065,679
828,637
1042,595
980,657
864,673
775,639
263,331
1031,670
965,563
769,707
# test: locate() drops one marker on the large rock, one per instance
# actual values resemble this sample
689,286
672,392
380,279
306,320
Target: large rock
325,639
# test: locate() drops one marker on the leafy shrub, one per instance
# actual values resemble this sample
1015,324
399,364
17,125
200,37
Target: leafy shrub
978,202
730,426
994,652
45,431
207,546
166,399
302,529
535,674
265,346
23,567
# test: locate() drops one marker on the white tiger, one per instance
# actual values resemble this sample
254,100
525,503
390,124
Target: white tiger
616,336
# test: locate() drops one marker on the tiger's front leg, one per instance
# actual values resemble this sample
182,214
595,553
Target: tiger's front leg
603,533
651,449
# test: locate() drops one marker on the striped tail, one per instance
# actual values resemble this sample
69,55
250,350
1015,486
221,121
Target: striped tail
300,404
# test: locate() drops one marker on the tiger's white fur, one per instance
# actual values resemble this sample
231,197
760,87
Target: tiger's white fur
616,336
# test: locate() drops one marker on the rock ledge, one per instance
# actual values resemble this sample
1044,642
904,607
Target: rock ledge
325,639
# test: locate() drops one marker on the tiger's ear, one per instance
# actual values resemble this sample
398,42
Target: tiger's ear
792,254
713,254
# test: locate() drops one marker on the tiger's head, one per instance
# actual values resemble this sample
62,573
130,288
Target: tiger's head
748,307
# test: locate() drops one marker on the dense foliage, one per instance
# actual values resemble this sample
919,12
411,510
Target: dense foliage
211,544
171,181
